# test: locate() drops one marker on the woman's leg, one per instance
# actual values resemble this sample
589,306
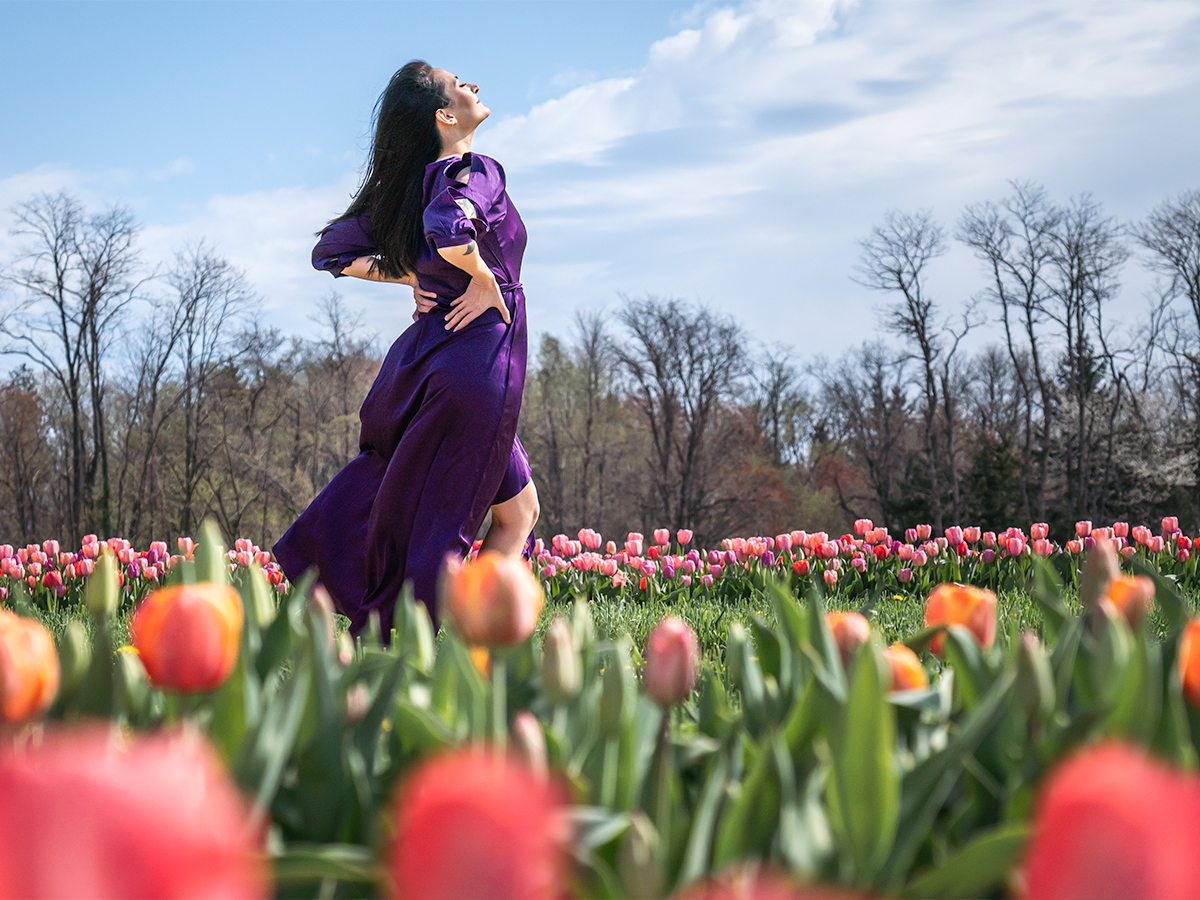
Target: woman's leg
512,521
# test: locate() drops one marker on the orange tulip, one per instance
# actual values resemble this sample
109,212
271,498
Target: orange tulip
28,668
1131,596
493,600
907,672
1189,662
188,635
850,631
965,605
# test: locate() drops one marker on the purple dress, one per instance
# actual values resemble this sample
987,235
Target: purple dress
438,442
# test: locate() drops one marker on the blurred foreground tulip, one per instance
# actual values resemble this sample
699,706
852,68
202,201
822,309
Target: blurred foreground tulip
471,824
85,814
1131,596
850,631
1189,662
965,605
29,670
907,672
752,881
493,600
1110,822
188,636
672,661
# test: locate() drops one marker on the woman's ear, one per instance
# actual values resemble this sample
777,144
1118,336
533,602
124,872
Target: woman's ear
445,117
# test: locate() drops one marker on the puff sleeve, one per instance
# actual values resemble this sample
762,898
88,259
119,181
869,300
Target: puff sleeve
469,206
341,243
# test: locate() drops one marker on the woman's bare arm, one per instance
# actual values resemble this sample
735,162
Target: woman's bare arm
361,268
481,294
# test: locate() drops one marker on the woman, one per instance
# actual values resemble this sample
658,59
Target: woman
438,439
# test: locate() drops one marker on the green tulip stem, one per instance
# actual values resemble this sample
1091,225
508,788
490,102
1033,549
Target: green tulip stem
560,722
662,812
608,780
499,704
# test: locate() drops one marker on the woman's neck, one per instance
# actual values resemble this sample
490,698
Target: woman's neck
460,147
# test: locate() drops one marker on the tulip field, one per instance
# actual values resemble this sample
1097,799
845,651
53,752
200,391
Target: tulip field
958,715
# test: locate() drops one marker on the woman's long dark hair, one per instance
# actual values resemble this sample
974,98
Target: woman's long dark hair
406,141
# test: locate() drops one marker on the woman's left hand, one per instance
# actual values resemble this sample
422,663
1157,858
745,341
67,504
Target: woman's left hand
481,295
426,300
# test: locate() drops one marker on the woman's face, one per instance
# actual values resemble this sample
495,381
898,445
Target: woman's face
463,101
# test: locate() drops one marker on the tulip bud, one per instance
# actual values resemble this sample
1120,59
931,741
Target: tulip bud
561,670
1130,596
831,577
188,635
672,661
492,600
1099,570
1188,662
528,744
74,656
965,605
101,594
639,860
907,672
1035,681
617,691
850,631
29,669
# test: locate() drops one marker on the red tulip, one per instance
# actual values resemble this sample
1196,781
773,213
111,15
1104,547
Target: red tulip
470,824
188,635
850,631
492,600
1110,822
672,661
85,814
961,604
29,669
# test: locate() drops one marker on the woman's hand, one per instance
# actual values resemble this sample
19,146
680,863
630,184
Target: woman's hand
481,295
426,300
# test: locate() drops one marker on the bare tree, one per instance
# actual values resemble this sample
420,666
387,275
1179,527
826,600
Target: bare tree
1171,234
781,406
213,295
595,361
893,260
683,363
1015,240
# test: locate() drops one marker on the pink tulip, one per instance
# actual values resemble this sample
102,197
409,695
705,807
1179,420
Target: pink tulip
1184,554
633,548
831,577
684,536
862,526
924,532
859,564
1121,529
1156,544
905,552
972,534
905,575
1083,528
1074,547
51,547
910,535
1043,547
1014,546
1170,525
919,558
954,535
706,580
782,541
672,661
716,570
611,548
988,555
662,536
1039,531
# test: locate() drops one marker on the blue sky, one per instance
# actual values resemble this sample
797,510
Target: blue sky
727,153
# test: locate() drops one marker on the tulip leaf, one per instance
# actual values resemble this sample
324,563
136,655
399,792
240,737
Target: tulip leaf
789,615
1135,713
228,725
1173,607
419,730
976,869
1047,590
773,656
366,731
304,863
863,789
963,656
264,753
704,820
805,840
822,649
748,824
919,641
595,826
925,788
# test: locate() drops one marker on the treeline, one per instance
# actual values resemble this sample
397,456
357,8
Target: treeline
147,398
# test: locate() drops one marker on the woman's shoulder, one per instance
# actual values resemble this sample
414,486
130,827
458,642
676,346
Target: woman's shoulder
474,170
